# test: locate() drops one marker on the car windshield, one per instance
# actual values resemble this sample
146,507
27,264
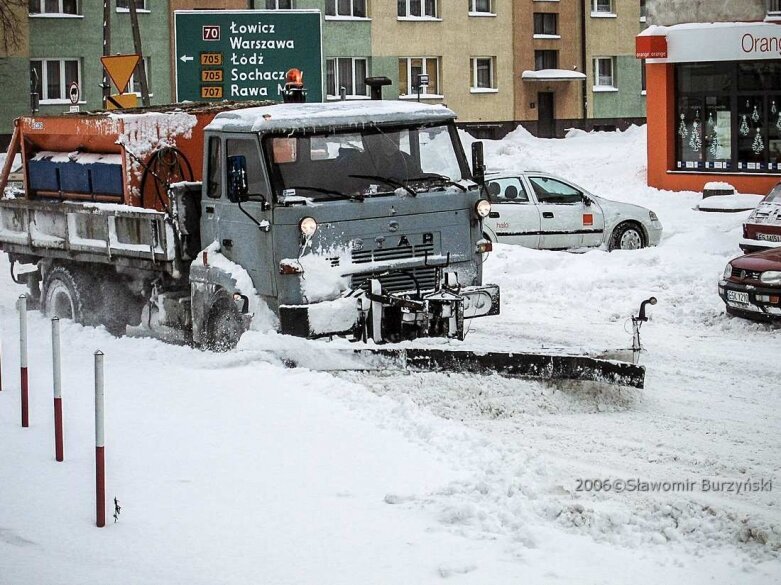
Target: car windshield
365,162
775,195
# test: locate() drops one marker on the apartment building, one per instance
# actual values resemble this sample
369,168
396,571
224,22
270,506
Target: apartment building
548,76
464,48
713,79
616,81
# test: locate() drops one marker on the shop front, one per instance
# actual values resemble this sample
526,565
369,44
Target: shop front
714,105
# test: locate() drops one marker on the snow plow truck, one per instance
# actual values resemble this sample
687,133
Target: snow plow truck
338,218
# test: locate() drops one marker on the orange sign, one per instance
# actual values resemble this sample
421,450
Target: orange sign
120,68
650,47
125,100
588,219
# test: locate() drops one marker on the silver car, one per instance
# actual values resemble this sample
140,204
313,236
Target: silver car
539,210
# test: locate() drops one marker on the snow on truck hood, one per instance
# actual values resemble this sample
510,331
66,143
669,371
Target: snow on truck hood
313,116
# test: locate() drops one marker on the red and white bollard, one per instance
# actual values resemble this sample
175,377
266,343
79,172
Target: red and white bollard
100,461
23,358
57,385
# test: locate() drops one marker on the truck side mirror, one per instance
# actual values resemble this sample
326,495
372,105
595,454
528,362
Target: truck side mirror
478,163
238,188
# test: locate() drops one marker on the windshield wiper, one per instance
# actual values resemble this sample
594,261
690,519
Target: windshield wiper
440,178
333,194
388,181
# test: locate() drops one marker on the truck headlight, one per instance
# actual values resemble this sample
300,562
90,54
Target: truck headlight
483,208
727,271
770,277
308,226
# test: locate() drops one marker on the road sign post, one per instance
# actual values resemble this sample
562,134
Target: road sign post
244,55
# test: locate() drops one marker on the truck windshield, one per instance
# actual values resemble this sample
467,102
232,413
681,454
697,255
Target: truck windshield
775,195
366,162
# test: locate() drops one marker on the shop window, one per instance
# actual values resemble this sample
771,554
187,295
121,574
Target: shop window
52,77
349,73
546,23
483,73
705,77
411,68
642,76
759,75
417,8
346,8
689,133
546,59
774,133
53,7
717,133
752,133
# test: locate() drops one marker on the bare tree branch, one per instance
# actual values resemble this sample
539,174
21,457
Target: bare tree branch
11,12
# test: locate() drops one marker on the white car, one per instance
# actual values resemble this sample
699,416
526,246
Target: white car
539,210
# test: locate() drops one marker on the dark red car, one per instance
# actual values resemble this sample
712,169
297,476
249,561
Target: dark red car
751,285
762,229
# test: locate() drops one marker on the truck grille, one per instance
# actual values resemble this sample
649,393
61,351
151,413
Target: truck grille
399,280
397,253
745,274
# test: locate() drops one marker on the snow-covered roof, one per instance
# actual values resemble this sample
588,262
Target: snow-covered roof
344,114
552,75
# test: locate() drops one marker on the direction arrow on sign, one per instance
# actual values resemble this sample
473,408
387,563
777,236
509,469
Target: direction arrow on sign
120,68
185,58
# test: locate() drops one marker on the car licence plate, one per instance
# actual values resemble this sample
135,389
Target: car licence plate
737,297
769,237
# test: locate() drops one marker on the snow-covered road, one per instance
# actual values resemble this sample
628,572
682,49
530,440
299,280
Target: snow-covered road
233,469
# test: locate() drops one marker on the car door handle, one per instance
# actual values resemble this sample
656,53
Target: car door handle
209,209
227,243
493,214
547,214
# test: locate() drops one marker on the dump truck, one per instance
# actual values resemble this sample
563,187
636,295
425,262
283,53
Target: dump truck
349,218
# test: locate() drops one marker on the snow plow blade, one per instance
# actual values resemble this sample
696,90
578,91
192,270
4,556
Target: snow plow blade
522,365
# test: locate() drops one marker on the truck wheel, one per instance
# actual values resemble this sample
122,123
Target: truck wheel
224,326
65,295
627,236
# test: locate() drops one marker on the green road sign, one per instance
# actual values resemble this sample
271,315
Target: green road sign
244,55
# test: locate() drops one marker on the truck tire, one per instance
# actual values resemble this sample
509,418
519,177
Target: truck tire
224,326
66,294
627,236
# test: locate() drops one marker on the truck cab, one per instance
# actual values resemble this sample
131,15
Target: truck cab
347,217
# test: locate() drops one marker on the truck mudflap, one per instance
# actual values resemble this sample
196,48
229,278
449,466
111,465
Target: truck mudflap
374,314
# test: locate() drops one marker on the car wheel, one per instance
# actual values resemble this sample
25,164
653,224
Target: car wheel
224,327
627,236
66,295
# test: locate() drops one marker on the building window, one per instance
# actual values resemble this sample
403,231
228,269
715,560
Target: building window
483,73
51,78
279,4
601,7
604,72
417,8
643,11
53,7
348,73
546,23
546,59
409,70
481,6
346,8
125,5
774,7
134,85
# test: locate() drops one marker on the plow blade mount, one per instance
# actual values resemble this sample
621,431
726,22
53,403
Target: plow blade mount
522,365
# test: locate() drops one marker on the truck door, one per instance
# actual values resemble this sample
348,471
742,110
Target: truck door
562,212
514,217
236,228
